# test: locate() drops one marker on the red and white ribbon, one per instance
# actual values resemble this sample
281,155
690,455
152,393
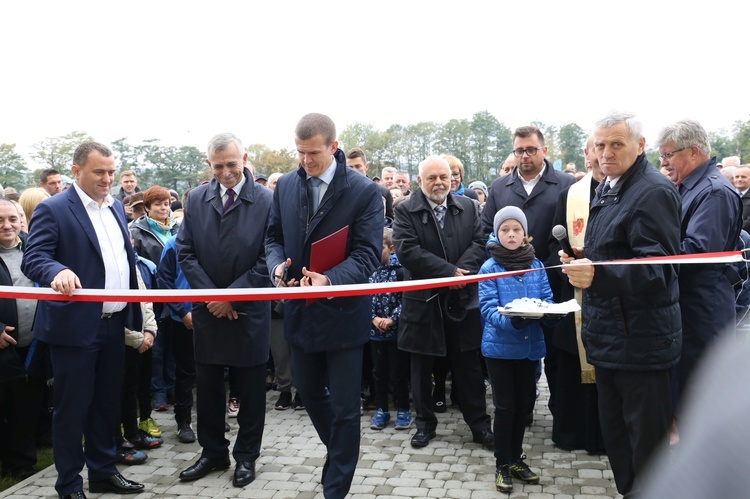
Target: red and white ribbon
258,294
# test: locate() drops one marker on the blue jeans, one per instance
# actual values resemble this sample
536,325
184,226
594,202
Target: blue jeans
162,366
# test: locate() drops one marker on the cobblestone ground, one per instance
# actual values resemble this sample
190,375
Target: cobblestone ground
292,458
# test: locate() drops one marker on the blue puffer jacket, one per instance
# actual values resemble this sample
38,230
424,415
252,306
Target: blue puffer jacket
500,340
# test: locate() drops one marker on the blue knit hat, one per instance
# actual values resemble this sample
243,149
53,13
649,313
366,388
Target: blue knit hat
511,213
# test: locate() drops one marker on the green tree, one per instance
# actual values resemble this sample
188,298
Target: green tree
355,135
722,145
423,135
268,161
13,171
177,168
489,143
453,138
57,152
571,140
742,134
126,155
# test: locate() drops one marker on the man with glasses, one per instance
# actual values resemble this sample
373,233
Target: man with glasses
534,186
711,222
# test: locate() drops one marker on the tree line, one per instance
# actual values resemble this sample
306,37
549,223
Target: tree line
481,143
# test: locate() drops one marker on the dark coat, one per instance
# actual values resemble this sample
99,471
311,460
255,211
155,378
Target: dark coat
351,199
146,243
746,211
711,222
631,314
539,206
217,250
428,252
63,237
12,366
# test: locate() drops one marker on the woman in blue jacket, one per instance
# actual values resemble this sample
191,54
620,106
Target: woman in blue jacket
512,346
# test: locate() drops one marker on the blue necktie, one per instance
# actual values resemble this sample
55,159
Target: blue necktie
230,200
606,188
314,190
440,215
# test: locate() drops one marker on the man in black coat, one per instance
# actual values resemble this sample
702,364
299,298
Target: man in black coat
632,329
438,234
221,245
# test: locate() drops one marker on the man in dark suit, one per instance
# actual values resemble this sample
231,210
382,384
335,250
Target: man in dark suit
439,234
326,337
79,239
221,245
741,181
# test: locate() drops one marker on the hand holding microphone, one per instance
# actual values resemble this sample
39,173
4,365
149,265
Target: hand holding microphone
559,233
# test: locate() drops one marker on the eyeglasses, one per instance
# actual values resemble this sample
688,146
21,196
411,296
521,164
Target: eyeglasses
531,151
456,174
668,155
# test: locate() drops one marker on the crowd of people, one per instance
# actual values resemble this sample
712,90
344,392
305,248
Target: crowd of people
617,370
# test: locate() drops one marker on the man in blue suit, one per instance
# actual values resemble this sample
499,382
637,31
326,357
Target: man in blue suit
326,337
79,239
221,245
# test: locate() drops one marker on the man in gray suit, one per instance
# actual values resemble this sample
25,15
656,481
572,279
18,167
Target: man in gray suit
221,245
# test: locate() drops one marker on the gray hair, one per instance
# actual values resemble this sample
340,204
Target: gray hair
221,141
388,169
615,118
429,159
683,134
731,160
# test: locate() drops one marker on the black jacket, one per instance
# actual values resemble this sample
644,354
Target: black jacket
36,362
146,243
428,252
539,206
631,313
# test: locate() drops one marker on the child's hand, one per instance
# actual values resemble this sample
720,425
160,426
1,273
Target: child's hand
382,323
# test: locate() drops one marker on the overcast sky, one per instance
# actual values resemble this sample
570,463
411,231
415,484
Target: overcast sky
183,71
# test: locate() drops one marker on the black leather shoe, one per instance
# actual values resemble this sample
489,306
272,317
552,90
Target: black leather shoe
203,467
244,473
74,495
422,437
486,438
117,484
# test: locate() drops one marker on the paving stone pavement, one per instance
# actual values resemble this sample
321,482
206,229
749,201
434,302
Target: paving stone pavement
290,464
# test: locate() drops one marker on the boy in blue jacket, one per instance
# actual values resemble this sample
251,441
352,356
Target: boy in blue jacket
512,346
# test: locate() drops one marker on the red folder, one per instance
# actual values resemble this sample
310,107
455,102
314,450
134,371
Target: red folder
328,252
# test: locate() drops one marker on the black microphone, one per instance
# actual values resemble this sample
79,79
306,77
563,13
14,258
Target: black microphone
559,233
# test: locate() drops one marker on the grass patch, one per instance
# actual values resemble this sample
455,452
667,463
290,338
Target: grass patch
44,459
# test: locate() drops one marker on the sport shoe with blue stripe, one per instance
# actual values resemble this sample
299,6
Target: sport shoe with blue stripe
403,419
380,420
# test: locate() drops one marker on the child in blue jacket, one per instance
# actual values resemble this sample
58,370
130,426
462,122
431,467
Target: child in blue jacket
512,346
